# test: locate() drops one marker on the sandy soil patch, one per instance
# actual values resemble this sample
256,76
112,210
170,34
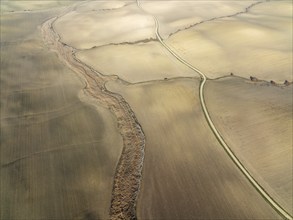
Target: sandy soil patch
257,43
256,122
88,28
186,174
135,63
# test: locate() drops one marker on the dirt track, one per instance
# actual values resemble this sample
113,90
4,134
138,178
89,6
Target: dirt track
219,137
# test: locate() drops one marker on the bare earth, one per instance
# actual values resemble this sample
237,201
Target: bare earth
187,174
56,151
263,140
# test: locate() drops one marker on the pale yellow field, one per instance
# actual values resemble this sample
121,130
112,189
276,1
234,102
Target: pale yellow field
89,28
256,122
135,63
186,173
257,43
178,15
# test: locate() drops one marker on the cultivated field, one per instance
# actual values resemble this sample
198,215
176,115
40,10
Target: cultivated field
186,174
96,26
256,121
31,6
105,110
58,154
179,15
144,62
257,43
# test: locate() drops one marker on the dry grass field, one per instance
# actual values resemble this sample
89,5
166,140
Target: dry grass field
186,174
256,121
58,154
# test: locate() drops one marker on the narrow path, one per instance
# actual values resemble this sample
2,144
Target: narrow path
255,184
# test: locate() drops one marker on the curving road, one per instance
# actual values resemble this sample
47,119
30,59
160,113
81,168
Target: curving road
255,184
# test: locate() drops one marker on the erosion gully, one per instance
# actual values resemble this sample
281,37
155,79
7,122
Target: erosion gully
129,169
